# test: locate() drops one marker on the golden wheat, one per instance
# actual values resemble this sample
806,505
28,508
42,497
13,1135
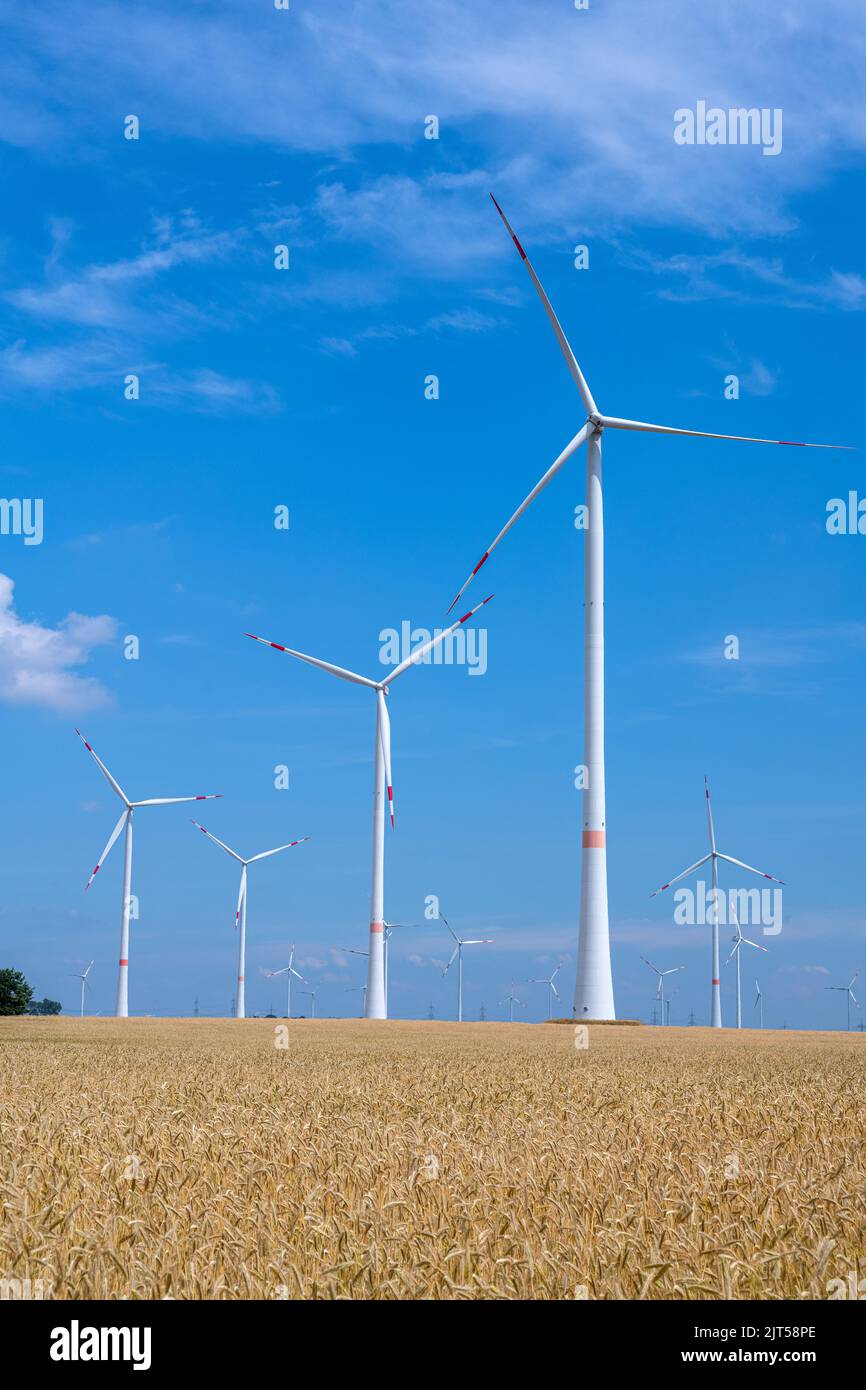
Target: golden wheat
146,1158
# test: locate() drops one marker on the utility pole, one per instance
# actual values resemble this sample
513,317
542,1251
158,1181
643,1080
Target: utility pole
195,1009
482,1014
692,1019
430,1013
655,1016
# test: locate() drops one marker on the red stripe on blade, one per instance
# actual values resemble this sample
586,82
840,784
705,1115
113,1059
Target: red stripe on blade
792,443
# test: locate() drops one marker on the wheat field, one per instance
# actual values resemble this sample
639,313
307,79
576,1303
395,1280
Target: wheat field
149,1158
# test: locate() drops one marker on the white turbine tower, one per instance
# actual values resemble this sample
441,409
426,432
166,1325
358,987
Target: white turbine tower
759,1001
121,1009
848,992
382,785
83,979
660,991
311,994
551,990
241,913
714,856
593,996
511,999
354,989
740,940
288,970
458,952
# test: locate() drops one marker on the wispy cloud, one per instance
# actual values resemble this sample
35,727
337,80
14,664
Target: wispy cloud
36,662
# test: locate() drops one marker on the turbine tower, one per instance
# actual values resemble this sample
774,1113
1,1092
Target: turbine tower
740,940
458,952
121,1009
714,856
593,995
848,992
759,1003
241,913
376,1005
551,990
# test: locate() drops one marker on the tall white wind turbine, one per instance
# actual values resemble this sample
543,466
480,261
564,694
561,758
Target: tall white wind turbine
241,913
376,1005
122,1002
83,979
740,940
288,970
458,952
849,994
759,1002
660,991
593,995
551,990
714,856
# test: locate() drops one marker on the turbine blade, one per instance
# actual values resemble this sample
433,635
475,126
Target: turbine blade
553,987
853,978
104,855
420,652
613,423
298,975
571,360
104,770
752,870
385,745
710,816
266,854
753,943
551,473
172,800
451,961
242,892
684,874
315,661
216,841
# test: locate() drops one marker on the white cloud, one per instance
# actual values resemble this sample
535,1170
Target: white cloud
35,661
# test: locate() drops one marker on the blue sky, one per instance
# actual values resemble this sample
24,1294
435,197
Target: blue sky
305,388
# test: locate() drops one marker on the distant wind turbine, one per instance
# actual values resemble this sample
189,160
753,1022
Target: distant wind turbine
241,913
511,999
353,989
759,1004
848,992
83,979
311,993
714,856
288,970
122,1002
382,786
593,997
551,990
458,952
660,991
740,940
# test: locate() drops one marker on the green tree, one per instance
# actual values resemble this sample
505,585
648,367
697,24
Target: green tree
15,993
45,1006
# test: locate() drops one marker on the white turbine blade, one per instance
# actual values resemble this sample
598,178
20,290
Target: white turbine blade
420,652
735,950
555,973
315,661
173,800
104,855
298,975
450,928
649,962
571,360
266,854
242,892
216,841
853,997
710,816
684,874
88,970
611,422
753,943
271,974
853,978
551,473
451,961
741,865
479,941
553,987
385,743
105,772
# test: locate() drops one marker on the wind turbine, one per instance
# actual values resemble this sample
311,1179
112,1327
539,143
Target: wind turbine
551,990
288,970
121,1009
714,856
660,992
311,993
83,979
458,952
363,988
376,996
511,999
740,940
241,913
759,1002
593,996
848,991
